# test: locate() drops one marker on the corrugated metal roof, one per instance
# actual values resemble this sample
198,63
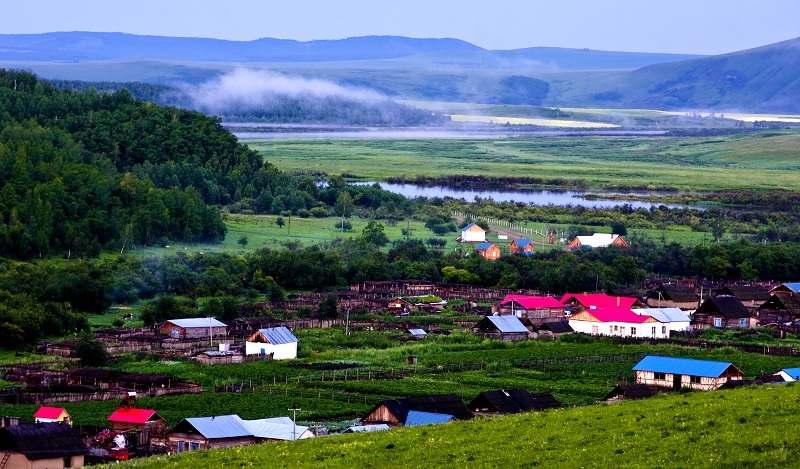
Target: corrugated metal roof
522,242
132,415
45,412
416,418
283,420
599,300
793,373
197,322
483,246
468,227
220,426
417,332
265,428
367,428
613,315
793,286
507,324
664,314
278,335
683,366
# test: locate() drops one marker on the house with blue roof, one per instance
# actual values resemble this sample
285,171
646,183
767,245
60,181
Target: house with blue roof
789,288
488,251
417,418
789,374
277,341
508,328
221,431
677,373
522,246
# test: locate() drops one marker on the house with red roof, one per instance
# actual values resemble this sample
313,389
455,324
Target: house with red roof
147,422
576,302
616,321
52,414
538,309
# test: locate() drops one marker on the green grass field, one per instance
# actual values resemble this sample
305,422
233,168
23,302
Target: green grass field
765,160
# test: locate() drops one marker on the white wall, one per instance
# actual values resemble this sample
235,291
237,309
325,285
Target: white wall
623,329
281,351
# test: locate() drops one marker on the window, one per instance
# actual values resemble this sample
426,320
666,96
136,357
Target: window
743,322
694,379
660,376
595,330
180,446
616,328
194,445
622,330
663,330
717,322
68,461
654,331
633,331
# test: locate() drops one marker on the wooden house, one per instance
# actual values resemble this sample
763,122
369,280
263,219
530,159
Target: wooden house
508,328
677,373
146,422
416,418
553,329
629,391
394,412
538,309
41,445
722,312
193,328
472,233
221,431
488,251
751,296
597,240
521,246
791,288
616,322
780,308
277,341
512,401
577,302
673,296
399,303
52,414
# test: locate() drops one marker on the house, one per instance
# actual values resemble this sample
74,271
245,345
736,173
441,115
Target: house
521,246
366,428
508,328
791,288
278,341
554,329
221,431
395,411
146,422
677,373
576,302
538,309
751,296
277,429
673,296
617,322
672,319
472,233
722,312
416,418
512,401
789,374
629,391
597,240
488,251
418,333
52,414
41,445
193,328
780,308
399,303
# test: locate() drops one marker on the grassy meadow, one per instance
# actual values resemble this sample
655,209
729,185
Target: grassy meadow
759,160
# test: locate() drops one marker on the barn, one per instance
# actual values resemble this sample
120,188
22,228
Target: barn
677,373
193,328
508,328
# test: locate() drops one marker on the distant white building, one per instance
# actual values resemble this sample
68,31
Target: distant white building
617,322
671,319
597,240
279,341
472,233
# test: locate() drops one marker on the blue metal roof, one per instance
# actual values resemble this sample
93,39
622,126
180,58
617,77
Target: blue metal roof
221,426
468,227
483,246
507,323
793,373
522,242
793,286
416,418
196,322
278,335
683,366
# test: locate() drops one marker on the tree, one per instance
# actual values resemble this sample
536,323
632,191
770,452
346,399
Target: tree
328,307
373,234
619,227
91,351
279,221
344,205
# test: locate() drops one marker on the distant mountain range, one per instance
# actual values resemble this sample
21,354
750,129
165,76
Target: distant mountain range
763,79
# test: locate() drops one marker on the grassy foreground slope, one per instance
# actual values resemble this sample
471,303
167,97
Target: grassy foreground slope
722,429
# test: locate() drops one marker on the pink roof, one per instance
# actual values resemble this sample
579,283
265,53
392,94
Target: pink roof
533,302
600,300
52,413
617,315
132,415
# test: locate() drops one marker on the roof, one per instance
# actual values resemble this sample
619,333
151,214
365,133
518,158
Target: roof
745,292
504,324
613,315
416,418
533,302
471,225
793,373
728,306
793,286
782,301
196,322
45,412
483,246
630,391
664,314
278,335
522,242
685,366
509,401
557,327
42,440
366,428
599,300
441,404
133,415
271,430
417,332
675,292
220,426
597,240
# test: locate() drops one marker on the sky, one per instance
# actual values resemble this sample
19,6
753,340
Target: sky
670,26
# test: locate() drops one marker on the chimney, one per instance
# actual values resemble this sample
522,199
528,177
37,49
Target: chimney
617,302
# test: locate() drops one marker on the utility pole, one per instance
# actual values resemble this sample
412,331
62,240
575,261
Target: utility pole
294,420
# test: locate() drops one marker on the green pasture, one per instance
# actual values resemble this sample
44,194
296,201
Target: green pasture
762,160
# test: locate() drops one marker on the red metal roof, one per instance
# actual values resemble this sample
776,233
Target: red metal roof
617,315
45,412
600,300
132,415
533,302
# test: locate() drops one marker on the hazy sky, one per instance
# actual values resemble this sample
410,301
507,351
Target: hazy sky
681,26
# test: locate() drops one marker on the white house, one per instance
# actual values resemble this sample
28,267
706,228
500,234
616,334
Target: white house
789,374
672,319
279,341
472,233
617,321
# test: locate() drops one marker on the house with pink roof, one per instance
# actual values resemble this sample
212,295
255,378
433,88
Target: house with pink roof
614,321
538,309
576,302
52,414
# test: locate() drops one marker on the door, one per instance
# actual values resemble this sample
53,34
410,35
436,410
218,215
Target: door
676,381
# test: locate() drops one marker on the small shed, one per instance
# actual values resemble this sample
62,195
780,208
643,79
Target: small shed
722,312
488,251
677,373
629,391
521,246
42,445
418,334
554,329
131,418
193,328
278,341
673,296
472,233
416,418
52,414
508,328
512,401
220,431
